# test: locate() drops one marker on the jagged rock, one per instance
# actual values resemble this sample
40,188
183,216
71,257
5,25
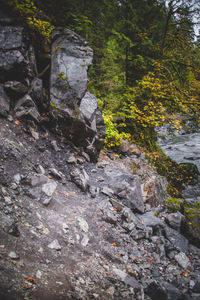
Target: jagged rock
83,225
4,103
79,178
94,191
36,180
49,187
54,245
164,291
127,279
182,260
88,108
15,88
73,107
26,107
55,173
149,219
178,241
174,220
13,255
14,54
126,186
154,190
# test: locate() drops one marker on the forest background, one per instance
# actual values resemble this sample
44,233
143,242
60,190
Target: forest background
146,67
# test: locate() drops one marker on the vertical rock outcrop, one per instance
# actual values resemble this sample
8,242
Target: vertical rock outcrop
73,107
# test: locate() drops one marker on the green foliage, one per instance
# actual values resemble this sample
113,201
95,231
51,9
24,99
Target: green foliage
35,18
174,204
113,137
192,215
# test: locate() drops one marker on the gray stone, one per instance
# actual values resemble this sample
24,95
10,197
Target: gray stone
85,240
79,179
11,37
174,220
83,224
127,279
149,219
54,245
107,191
54,145
55,173
182,260
13,255
88,107
71,159
4,103
38,180
74,109
15,88
94,191
178,241
49,188
26,107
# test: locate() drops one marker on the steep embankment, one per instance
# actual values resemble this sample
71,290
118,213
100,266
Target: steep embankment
60,242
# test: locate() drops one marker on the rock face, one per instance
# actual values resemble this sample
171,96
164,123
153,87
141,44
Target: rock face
73,107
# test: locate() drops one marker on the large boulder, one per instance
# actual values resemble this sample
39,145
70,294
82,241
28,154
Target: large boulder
73,107
14,54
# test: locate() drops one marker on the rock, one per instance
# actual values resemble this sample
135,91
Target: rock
126,186
54,245
94,191
55,173
38,274
79,178
116,205
54,145
154,190
85,240
88,107
71,159
13,255
83,224
34,133
26,107
4,103
38,180
174,220
74,109
15,88
49,188
14,54
127,279
107,191
182,260
178,241
156,291
149,219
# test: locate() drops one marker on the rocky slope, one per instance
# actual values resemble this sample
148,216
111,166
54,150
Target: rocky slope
72,228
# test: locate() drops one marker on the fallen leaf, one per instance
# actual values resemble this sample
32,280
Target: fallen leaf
185,274
30,279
